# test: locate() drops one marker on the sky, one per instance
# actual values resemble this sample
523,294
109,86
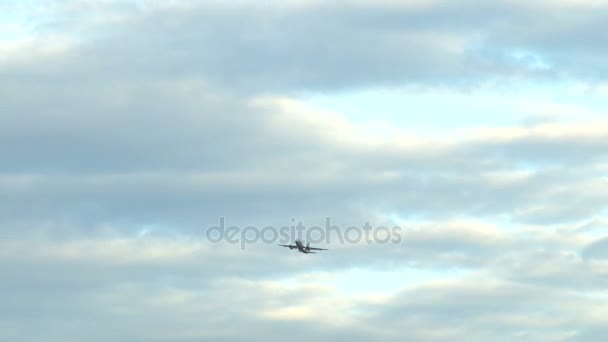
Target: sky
471,137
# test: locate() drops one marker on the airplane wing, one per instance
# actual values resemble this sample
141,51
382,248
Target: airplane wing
318,249
290,246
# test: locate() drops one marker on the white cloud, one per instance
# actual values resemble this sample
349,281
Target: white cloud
129,128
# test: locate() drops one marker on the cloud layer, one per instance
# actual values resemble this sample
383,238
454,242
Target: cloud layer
128,128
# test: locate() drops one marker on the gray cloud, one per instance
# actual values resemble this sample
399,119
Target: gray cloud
282,47
477,310
597,249
151,285
127,130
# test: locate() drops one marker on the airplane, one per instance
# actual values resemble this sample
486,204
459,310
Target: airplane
304,249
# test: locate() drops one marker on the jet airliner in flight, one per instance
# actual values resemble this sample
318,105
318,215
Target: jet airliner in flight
304,249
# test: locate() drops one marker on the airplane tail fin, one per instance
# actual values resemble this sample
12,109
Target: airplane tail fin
308,245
